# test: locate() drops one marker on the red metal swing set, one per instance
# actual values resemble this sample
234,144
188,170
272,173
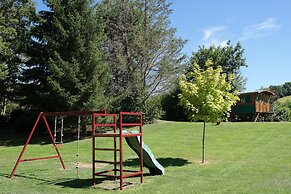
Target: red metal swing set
117,135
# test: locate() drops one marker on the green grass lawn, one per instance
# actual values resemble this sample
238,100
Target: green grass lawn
240,158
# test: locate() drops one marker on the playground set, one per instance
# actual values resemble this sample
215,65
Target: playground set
101,120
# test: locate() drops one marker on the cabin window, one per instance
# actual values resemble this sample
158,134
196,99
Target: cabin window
242,100
248,99
266,98
259,98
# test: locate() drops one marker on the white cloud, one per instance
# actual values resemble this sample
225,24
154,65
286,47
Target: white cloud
259,30
210,32
214,36
219,35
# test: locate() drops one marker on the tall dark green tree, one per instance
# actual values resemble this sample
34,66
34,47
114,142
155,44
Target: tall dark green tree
142,49
230,58
66,70
16,17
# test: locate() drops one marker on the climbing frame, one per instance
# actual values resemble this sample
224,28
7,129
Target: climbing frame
118,171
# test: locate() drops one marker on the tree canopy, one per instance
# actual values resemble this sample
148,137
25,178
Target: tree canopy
141,48
66,70
207,96
16,17
281,90
114,55
230,58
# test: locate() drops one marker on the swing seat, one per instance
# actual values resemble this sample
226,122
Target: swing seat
59,144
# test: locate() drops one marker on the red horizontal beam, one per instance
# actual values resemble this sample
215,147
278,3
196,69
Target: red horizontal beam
71,113
104,161
131,135
104,115
128,170
131,124
104,125
105,171
40,158
132,174
107,175
107,149
130,113
106,135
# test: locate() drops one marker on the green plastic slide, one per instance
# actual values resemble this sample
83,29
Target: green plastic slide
148,157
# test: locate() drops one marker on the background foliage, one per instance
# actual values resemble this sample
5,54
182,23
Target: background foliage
81,55
16,18
230,58
282,111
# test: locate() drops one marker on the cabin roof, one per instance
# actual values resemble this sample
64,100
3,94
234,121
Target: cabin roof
257,92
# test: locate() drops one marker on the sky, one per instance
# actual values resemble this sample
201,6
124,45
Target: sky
263,27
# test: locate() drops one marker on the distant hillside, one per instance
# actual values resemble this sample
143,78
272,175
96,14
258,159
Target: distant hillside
284,99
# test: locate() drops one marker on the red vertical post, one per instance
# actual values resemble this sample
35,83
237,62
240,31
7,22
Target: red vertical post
24,147
141,150
120,151
93,148
54,143
115,147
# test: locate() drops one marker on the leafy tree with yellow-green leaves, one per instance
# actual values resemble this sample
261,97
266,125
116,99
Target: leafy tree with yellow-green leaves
207,95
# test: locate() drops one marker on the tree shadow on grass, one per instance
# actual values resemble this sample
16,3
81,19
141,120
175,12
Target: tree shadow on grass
101,183
72,183
12,138
79,183
165,162
8,138
105,183
32,177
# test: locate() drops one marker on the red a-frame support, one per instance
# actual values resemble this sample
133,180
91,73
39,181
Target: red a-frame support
40,116
43,115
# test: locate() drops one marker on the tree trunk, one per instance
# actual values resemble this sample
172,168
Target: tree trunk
3,105
203,144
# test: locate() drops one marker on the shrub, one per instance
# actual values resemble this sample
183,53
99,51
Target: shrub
171,108
152,109
282,111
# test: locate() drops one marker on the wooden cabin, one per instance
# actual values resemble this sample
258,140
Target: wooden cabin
252,106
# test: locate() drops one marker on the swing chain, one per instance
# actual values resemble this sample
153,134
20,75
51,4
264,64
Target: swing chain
55,129
61,130
78,146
